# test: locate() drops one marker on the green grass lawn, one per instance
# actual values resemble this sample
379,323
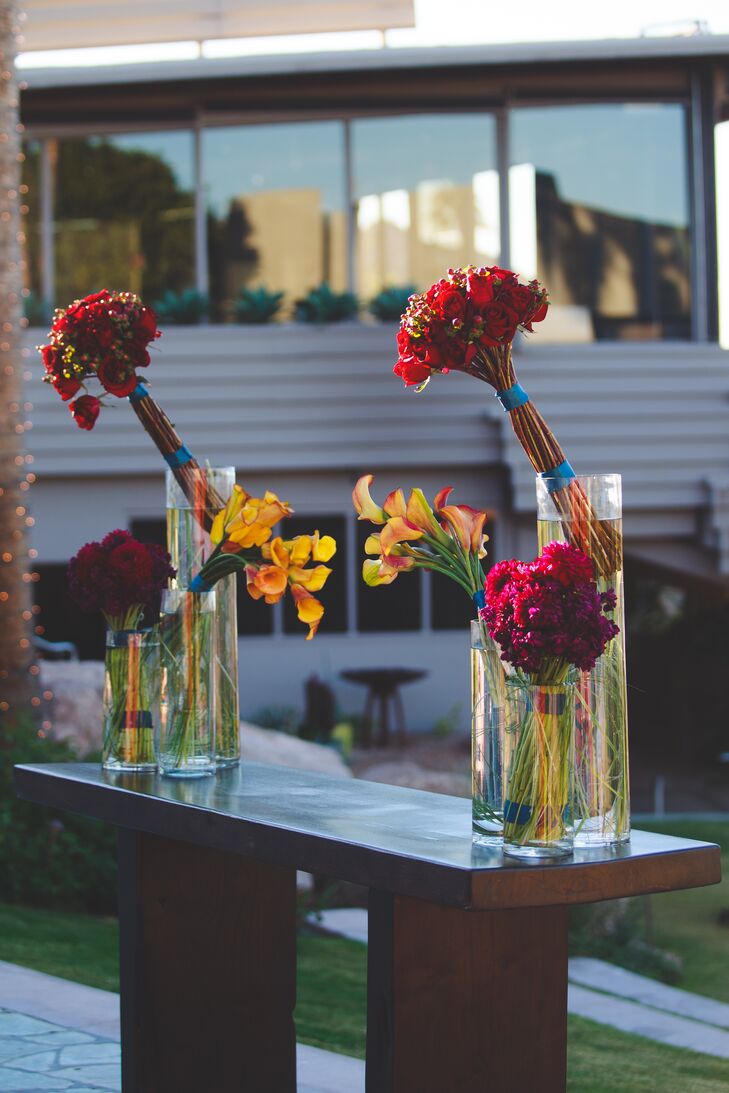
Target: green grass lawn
332,982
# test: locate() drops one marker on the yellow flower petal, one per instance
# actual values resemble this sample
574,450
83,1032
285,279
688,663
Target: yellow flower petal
324,548
309,609
394,503
300,549
375,572
312,579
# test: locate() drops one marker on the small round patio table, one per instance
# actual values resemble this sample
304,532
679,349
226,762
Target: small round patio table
383,687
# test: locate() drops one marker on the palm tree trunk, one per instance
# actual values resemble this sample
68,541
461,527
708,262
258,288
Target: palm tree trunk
18,680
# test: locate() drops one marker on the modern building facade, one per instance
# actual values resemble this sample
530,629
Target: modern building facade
591,166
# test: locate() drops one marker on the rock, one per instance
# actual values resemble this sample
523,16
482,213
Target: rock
75,709
76,716
268,746
406,773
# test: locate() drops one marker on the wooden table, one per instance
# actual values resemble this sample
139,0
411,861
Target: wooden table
467,958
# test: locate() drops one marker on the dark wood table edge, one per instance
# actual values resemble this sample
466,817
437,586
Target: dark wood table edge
464,887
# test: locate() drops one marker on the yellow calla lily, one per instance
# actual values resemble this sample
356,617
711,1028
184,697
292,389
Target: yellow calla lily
235,503
363,503
421,514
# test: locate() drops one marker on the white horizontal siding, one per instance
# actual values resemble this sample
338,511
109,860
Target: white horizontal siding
307,400
273,399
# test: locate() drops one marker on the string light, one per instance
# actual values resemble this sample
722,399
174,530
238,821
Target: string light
19,672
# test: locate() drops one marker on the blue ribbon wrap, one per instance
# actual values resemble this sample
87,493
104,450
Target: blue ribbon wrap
479,598
139,392
512,397
179,458
197,584
558,477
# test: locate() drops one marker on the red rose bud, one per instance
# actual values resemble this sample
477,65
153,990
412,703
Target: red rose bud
66,388
85,411
480,290
51,358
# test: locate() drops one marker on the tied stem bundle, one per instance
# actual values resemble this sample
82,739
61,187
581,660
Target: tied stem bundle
467,322
600,541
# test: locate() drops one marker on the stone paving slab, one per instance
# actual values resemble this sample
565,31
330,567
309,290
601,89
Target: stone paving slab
638,1020
601,976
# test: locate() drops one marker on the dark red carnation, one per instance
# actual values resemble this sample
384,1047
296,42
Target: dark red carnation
119,575
85,411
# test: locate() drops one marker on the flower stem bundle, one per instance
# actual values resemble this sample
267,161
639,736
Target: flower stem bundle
467,322
104,337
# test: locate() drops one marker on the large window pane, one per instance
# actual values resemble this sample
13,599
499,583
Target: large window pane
390,607
600,213
276,209
427,196
35,309
124,214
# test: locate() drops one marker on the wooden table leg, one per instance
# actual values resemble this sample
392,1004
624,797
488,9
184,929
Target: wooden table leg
465,1000
208,970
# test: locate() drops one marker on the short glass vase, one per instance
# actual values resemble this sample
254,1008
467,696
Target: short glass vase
538,769
488,702
187,716
131,700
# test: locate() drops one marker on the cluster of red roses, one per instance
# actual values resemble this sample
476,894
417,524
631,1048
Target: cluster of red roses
105,336
548,610
471,308
118,575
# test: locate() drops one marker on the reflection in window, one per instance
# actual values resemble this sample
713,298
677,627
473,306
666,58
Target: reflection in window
427,195
600,213
35,309
124,214
276,209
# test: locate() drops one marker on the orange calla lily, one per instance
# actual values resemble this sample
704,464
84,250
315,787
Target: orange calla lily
236,501
363,503
267,580
308,609
467,525
397,530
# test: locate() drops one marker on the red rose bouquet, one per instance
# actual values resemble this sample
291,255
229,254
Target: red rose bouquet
549,619
104,337
122,577
467,322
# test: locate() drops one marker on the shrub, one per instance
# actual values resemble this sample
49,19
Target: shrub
37,311
388,305
321,305
257,305
50,858
184,308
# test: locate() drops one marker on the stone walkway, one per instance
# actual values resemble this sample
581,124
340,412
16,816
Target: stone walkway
58,1035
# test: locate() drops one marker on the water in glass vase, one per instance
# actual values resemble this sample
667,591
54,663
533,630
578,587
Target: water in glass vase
602,795
189,546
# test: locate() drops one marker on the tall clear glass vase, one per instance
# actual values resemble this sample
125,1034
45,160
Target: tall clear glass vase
488,741
587,512
189,545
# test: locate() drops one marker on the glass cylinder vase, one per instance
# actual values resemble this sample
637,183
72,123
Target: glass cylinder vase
189,546
131,700
587,512
188,677
488,700
539,769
